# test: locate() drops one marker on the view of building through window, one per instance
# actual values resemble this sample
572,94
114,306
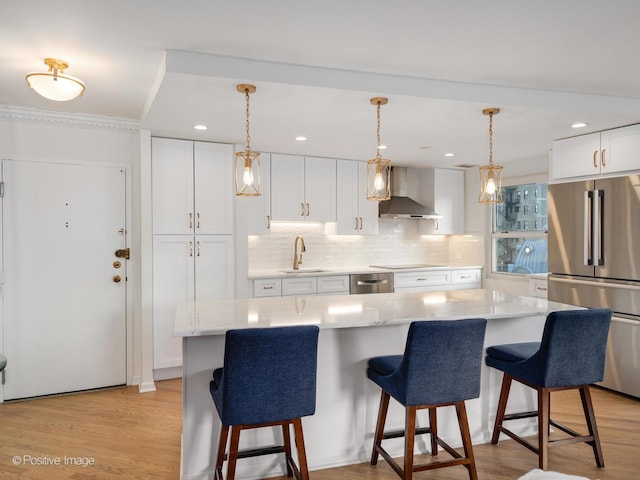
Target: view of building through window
520,230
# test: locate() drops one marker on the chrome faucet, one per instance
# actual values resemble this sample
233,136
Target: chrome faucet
297,259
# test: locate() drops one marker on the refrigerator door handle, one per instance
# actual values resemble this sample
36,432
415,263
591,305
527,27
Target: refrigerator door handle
591,283
588,226
598,225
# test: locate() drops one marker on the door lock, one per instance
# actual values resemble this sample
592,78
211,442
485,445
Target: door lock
123,253
117,278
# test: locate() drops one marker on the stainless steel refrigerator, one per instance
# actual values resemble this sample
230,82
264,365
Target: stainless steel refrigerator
594,261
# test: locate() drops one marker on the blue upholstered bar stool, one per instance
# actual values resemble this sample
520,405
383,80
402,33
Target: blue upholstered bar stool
570,355
440,367
268,379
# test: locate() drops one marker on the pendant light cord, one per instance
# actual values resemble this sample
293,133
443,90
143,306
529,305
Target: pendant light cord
248,147
378,133
491,139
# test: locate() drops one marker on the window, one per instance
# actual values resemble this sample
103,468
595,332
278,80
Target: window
519,238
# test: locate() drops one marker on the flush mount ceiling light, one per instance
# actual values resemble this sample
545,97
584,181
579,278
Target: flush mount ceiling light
378,168
490,175
54,84
247,162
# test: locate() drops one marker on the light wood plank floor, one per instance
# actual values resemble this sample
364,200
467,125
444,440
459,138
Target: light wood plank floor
137,436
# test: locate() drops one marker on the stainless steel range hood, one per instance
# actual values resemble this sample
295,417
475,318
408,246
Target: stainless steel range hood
400,205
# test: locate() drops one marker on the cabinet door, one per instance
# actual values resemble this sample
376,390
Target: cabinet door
173,282
443,190
172,183
320,189
620,150
213,267
367,209
575,157
213,190
347,191
257,210
287,188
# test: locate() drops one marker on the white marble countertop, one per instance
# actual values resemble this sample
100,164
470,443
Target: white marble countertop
344,311
322,271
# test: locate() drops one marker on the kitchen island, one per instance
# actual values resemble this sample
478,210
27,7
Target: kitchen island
352,329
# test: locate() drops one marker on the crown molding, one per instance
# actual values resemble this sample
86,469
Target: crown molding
71,119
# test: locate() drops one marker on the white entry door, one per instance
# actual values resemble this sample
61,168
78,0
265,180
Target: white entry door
64,310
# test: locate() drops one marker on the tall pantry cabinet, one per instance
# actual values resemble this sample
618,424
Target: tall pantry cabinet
192,234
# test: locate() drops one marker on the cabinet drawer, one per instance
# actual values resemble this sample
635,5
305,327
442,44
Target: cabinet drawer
538,288
418,279
333,284
465,276
267,287
300,286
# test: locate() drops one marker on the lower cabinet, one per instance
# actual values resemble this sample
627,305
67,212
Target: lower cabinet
435,280
307,285
186,268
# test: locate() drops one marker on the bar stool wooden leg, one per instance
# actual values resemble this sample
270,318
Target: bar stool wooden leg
222,447
233,452
286,438
589,415
409,440
382,417
463,421
302,454
502,407
433,425
543,427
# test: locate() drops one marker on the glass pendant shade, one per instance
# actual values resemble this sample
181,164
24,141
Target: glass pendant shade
247,172
490,184
379,179
378,169
54,84
248,183
490,175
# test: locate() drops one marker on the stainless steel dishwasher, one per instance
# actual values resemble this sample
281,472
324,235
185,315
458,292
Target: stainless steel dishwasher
371,283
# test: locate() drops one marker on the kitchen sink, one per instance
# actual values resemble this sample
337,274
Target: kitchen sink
304,270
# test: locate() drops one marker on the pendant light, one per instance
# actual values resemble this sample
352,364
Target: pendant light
378,168
490,175
247,162
54,84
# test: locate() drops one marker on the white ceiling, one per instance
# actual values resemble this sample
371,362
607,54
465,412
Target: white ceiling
172,64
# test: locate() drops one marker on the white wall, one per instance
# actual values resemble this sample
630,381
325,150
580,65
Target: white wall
55,137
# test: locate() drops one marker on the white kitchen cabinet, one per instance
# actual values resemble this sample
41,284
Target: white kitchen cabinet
538,287
257,210
442,190
303,188
192,187
185,268
596,154
462,279
421,281
301,285
355,214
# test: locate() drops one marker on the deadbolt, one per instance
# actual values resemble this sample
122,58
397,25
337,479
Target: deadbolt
117,264
124,253
116,278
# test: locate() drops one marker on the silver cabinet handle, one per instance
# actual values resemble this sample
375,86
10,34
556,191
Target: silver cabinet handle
307,209
356,219
270,287
190,220
360,223
198,220
268,221
542,289
437,226
371,282
191,249
198,244
302,209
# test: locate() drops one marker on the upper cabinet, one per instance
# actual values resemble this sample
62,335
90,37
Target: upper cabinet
192,187
355,214
596,154
303,188
442,190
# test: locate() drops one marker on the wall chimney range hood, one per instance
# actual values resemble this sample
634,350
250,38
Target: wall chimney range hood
400,205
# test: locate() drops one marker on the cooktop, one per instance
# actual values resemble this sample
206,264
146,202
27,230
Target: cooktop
406,265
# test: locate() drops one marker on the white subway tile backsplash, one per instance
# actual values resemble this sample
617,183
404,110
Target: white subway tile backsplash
398,242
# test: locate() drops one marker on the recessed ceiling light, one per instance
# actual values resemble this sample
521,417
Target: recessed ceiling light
200,127
301,138
449,154
578,125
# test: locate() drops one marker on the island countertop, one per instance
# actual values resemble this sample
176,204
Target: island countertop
345,311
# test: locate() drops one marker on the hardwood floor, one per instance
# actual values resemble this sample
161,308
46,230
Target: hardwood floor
137,436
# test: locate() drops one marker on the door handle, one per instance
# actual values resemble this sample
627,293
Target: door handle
117,278
587,259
